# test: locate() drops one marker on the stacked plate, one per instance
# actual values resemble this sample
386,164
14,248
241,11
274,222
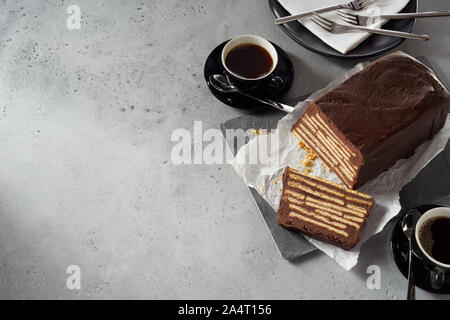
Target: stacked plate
373,45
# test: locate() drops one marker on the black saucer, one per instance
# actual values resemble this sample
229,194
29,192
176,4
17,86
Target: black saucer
284,70
399,245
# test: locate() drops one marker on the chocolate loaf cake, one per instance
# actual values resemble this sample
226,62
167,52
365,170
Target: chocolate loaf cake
322,209
376,117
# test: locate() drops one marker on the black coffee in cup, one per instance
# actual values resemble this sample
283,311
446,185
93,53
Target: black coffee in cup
249,60
434,236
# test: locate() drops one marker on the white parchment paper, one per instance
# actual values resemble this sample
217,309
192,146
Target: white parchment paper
264,176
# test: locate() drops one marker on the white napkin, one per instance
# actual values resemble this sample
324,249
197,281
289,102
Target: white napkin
346,41
264,174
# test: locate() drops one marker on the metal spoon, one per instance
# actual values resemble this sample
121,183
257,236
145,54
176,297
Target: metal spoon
222,83
408,225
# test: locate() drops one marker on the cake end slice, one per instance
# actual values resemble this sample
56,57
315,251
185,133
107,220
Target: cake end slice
323,210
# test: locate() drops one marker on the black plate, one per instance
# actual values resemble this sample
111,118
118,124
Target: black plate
284,70
399,245
373,45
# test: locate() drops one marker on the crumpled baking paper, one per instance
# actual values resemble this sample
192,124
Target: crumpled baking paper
264,176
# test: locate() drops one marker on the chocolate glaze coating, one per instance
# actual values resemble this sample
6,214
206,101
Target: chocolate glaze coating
386,97
386,111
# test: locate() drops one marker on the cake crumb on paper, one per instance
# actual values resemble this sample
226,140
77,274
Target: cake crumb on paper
258,132
310,157
277,180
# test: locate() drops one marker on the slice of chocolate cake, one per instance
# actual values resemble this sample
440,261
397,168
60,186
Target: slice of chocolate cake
376,117
322,209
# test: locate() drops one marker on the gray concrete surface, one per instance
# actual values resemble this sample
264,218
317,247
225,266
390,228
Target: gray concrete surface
86,176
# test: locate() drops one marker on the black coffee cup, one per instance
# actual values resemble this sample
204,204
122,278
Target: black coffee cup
246,81
439,272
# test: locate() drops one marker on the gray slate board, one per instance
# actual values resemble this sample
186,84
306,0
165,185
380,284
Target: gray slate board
432,184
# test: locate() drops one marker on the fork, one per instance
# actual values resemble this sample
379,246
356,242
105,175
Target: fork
334,27
353,5
362,20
